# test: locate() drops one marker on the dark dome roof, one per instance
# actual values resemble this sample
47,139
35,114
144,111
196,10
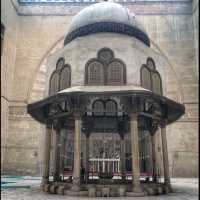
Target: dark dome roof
106,17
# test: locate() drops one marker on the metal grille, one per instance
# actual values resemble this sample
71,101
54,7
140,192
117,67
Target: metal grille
115,73
111,108
98,108
95,73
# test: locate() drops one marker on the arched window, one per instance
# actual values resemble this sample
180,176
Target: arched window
105,69
65,77
156,83
115,73
95,73
145,77
111,108
98,108
150,77
60,78
54,83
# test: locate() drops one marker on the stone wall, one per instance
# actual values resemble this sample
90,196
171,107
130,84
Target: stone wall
9,19
195,13
172,29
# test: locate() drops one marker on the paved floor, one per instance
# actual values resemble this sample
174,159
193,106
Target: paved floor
184,189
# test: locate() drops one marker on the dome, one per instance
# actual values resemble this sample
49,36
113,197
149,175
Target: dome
106,17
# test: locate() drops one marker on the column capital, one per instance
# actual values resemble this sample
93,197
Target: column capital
153,128
121,134
57,124
87,134
134,115
77,115
163,123
49,125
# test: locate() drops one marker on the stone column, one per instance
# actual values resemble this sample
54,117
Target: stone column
165,154
63,157
122,157
135,154
154,167
56,175
87,147
77,154
47,146
103,161
149,149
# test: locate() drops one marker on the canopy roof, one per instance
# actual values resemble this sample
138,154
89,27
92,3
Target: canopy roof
37,109
102,89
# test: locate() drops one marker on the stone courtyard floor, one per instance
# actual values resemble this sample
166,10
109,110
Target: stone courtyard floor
184,189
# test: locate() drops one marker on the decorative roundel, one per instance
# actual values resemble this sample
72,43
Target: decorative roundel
60,63
105,55
151,64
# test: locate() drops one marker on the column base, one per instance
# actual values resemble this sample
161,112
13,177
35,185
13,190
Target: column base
168,187
44,181
75,188
123,177
136,192
76,184
76,193
56,178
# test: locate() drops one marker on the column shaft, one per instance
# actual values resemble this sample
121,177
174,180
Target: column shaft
135,154
122,157
154,167
56,176
63,157
165,155
87,146
47,146
77,154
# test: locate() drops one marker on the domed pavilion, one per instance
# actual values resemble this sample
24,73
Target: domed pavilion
105,80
